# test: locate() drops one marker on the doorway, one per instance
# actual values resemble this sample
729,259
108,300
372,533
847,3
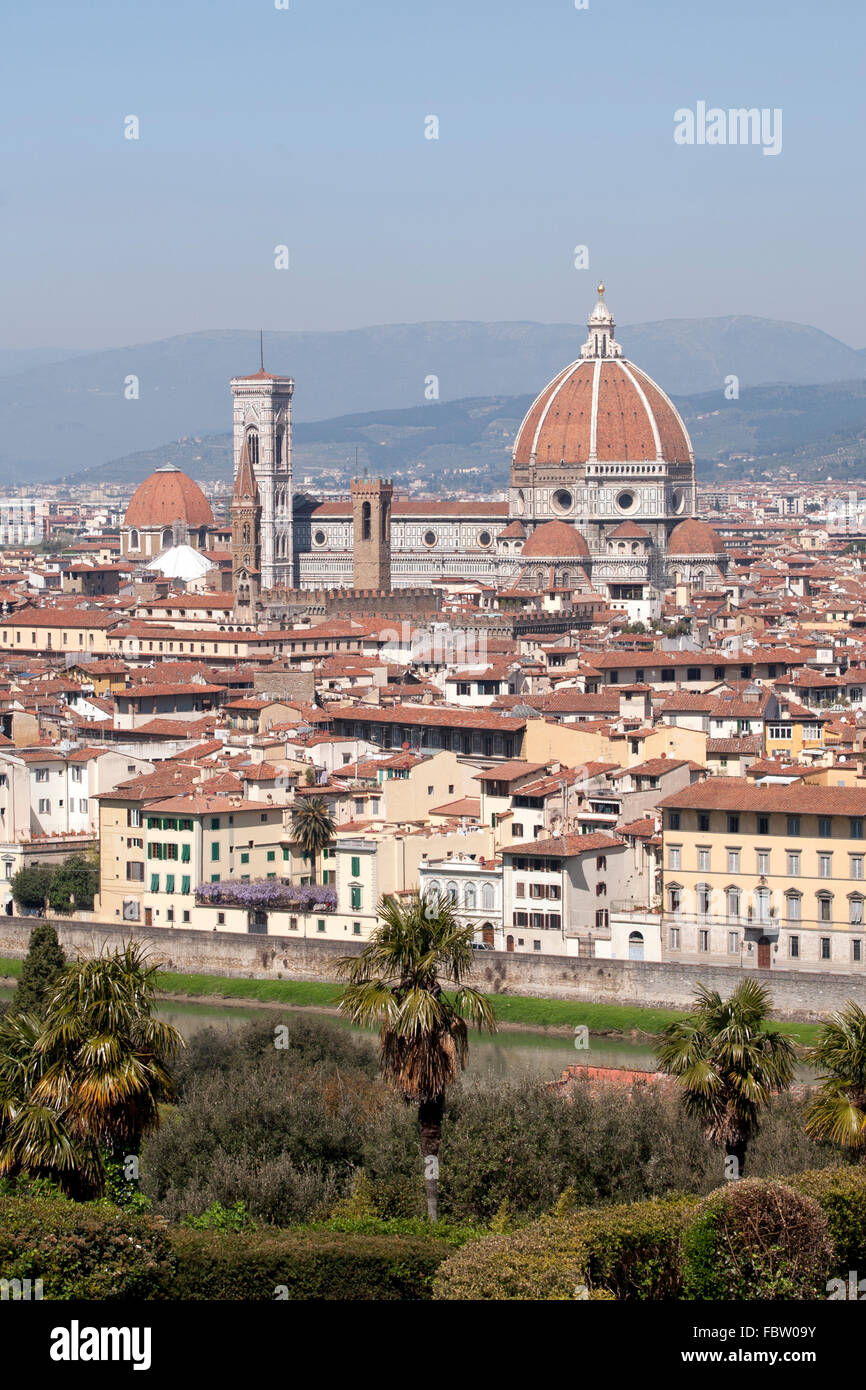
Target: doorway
148,916
509,943
764,953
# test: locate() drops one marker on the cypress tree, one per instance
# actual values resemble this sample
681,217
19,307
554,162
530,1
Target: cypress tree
42,966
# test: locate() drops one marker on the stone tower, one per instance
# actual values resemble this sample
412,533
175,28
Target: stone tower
371,533
263,423
246,538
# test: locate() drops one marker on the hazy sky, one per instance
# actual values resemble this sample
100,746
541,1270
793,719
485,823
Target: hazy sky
306,127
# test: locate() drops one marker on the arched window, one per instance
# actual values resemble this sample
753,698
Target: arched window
365,521
855,910
134,541
488,897
432,893
794,907
635,945
469,897
166,537
451,892
675,897
246,533
279,446
732,896
253,446
202,538
704,896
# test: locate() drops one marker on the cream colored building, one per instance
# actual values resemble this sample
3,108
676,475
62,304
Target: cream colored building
765,876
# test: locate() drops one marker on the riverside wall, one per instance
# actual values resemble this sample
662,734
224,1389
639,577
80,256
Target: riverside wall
798,995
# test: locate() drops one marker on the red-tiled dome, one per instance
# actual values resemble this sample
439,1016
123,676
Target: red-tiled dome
606,410
693,537
167,496
555,540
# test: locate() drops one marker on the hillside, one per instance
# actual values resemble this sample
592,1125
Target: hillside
812,430
84,418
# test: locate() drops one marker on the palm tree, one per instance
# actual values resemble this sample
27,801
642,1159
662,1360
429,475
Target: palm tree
90,1077
396,983
312,828
838,1111
728,1063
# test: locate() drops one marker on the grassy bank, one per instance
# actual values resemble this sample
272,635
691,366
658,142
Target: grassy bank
517,1010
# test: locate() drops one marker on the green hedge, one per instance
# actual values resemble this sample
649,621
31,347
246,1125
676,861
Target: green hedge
633,1252
88,1250
253,1265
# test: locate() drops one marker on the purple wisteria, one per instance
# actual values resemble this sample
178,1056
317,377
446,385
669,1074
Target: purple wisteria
268,894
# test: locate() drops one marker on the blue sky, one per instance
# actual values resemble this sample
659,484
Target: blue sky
305,127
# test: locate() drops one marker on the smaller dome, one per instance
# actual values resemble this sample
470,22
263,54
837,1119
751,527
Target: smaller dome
629,531
168,495
555,540
693,537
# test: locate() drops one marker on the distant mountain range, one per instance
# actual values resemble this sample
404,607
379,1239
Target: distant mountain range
59,417
811,430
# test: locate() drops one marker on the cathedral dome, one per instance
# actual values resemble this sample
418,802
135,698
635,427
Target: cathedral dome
601,409
555,540
604,410
693,537
168,495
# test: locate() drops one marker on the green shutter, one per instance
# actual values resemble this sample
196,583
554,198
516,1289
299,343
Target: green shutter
272,854
356,897
356,866
245,859
184,884
154,883
215,823
320,925
214,849
287,853
184,854
169,883
214,878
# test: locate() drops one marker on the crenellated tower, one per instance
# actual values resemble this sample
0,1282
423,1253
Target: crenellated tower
371,533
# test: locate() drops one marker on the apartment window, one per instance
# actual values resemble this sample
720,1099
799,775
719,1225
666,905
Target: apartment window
44,807
733,861
320,924
135,872
154,883
673,820
733,943
675,898
856,865
704,896
169,883
825,907
825,827
520,890
184,854
825,866
781,731
517,830
703,821
703,857
601,919
272,854
214,850
794,864
356,928
185,884
763,861
245,858
356,866
356,897
793,906
82,804
763,825
857,950
286,853
42,774
794,947
855,912
169,914
856,827
733,825
133,816
793,825
733,903
215,823
674,938
703,940
825,948
675,857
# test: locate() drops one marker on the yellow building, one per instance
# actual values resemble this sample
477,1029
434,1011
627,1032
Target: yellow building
765,876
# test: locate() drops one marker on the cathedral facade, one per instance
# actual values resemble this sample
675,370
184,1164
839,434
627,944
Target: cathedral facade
601,498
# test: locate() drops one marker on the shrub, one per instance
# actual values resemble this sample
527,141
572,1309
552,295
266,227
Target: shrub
82,1250
633,1252
253,1266
841,1194
756,1240
42,965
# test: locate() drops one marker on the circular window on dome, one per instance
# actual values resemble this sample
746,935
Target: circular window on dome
678,501
626,501
429,537
484,538
319,538
521,503
562,501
